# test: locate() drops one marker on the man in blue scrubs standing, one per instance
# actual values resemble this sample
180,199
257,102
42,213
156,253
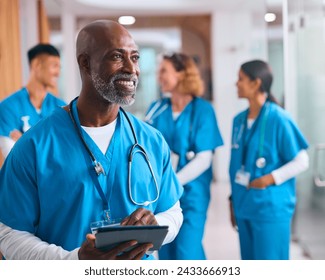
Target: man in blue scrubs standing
89,162
26,107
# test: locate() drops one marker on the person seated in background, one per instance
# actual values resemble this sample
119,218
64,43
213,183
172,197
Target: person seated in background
24,108
73,168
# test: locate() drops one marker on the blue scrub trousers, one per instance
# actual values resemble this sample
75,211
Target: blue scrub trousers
260,240
188,243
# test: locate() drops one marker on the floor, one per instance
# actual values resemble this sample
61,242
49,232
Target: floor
221,240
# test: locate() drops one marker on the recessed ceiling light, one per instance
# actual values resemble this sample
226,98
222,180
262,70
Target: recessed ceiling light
269,17
126,20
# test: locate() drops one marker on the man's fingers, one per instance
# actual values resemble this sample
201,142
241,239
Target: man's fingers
138,252
90,237
121,248
141,217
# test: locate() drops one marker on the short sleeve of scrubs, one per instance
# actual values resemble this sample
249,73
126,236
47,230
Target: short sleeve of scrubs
18,194
7,120
206,134
291,140
171,190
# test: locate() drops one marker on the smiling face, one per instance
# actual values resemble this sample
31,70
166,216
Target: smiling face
47,69
246,88
168,77
114,66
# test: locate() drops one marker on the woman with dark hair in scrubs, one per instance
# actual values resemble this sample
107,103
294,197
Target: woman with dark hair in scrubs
190,128
268,151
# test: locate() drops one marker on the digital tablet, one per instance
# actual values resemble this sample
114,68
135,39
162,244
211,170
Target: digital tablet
108,237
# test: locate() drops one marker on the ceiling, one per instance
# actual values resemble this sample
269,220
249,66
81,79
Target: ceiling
152,7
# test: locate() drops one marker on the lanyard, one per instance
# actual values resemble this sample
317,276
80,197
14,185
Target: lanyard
262,114
93,174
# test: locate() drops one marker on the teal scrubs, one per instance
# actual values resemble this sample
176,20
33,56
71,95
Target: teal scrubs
279,144
18,113
47,186
196,130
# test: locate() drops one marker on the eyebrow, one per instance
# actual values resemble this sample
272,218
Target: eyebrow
124,51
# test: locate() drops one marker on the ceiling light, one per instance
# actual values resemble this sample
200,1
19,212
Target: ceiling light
126,20
270,17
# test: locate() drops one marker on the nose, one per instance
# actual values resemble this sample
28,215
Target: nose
57,70
130,66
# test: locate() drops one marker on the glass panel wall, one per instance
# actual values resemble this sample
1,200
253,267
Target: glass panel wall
306,82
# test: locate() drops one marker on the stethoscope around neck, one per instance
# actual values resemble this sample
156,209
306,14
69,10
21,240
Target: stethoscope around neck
260,161
136,148
157,109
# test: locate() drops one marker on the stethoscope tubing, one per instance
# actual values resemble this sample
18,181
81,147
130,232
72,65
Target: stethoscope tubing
241,133
98,167
157,109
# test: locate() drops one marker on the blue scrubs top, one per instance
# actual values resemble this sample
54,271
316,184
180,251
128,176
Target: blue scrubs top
282,142
47,188
196,130
18,105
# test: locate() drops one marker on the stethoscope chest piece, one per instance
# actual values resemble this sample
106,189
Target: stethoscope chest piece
190,155
261,162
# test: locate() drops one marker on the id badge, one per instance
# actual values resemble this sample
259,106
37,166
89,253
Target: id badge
174,159
242,178
94,226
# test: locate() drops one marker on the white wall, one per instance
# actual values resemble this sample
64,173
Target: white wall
70,72
236,38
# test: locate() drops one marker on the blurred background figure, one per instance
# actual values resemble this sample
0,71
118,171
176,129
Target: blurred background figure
268,151
190,127
26,107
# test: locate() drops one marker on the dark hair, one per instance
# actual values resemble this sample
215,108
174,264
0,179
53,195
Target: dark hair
40,49
258,69
192,82
178,60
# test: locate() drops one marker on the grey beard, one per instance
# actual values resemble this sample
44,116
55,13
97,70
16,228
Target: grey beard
110,93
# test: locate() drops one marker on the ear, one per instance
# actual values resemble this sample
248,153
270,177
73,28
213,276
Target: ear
35,63
257,84
84,63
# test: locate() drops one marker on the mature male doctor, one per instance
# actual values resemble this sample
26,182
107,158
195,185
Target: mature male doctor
89,162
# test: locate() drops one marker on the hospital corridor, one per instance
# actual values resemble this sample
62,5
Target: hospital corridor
136,106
